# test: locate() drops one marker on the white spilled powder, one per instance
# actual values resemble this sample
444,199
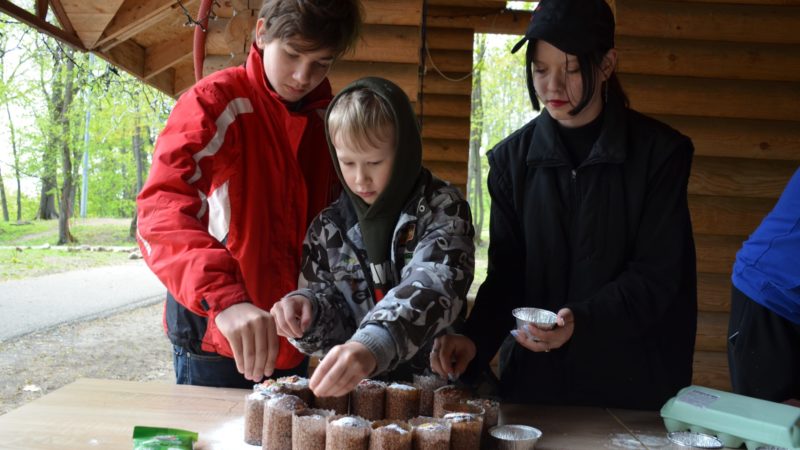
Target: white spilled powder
352,422
625,440
402,387
653,441
255,396
622,440
228,436
394,428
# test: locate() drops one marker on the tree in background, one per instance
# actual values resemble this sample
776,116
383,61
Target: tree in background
475,172
63,133
47,114
500,105
11,39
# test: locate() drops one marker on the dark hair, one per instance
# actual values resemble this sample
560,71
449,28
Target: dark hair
590,64
333,24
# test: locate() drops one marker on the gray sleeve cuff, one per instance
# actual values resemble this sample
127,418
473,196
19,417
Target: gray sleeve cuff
378,340
309,294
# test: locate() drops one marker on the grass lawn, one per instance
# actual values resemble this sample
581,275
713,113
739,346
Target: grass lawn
22,263
18,262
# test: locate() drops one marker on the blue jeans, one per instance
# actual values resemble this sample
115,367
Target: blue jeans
211,369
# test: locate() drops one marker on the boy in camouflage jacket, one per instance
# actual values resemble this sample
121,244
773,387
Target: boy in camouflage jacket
386,267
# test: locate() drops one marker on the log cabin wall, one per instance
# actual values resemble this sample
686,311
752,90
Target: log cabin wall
724,72
727,74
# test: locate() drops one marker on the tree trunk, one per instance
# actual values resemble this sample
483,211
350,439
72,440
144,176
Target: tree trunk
137,153
19,187
12,132
67,185
475,177
3,198
47,201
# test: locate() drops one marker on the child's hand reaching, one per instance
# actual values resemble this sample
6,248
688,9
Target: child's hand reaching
292,316
451,354
342,369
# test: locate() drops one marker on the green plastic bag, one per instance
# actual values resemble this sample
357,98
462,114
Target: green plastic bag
153,438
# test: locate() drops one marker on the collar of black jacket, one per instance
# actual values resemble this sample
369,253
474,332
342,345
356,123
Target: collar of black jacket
611,147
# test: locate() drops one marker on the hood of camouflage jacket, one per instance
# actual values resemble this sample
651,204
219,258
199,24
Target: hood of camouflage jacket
377,221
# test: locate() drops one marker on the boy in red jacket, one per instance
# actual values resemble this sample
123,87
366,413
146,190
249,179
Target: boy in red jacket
239,171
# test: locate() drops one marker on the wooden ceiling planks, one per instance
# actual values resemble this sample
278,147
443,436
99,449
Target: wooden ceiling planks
90,17
137,16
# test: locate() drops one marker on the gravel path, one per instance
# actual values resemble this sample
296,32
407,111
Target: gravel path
126,346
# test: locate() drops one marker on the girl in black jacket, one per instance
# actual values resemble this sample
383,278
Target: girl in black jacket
590,220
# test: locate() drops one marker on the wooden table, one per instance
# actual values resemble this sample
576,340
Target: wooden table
101,414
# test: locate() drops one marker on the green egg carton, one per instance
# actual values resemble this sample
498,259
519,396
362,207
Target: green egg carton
734,419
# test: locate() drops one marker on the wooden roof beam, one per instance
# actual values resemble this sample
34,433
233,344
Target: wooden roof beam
134,16
167,54
41,9
41,25
61,16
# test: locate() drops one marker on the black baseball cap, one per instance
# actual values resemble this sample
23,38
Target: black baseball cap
572,26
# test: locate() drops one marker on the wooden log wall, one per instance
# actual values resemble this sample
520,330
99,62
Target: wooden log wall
724,72
446,96
391,47
727,74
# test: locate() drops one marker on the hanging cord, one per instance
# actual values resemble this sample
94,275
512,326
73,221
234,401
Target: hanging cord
477,63
199,22
200,29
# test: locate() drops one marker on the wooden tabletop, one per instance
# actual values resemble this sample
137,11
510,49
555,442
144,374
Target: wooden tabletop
92,413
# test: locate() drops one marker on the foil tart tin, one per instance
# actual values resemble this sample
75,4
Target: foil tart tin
514,437
692,439
540,318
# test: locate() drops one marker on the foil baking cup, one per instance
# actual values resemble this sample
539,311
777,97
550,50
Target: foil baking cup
692,439
540,318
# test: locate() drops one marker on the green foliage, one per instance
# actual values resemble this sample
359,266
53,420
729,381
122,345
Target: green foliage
506,105
505,108
92,232
16,264
23,233
19,261
117,105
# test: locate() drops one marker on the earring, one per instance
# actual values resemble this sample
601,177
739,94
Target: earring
605,92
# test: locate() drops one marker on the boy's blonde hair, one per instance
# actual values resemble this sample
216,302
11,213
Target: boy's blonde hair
360,118
329,24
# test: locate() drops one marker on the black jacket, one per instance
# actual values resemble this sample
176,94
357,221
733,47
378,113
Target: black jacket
610,239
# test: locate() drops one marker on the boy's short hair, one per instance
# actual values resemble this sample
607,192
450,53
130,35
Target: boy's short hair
361,118
333,24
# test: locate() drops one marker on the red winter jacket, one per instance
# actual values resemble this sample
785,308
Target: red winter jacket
235,181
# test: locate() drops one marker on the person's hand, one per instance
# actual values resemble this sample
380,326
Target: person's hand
292,316
342,369
451,354
538,340
251,333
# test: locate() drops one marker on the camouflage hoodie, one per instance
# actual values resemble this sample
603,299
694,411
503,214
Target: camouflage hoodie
431,265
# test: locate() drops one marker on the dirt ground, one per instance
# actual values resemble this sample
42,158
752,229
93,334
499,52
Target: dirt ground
127,346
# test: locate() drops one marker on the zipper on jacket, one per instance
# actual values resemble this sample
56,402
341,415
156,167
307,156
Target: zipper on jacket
573,184
576,204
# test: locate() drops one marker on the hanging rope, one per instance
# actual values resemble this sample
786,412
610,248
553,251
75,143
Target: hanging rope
200,29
